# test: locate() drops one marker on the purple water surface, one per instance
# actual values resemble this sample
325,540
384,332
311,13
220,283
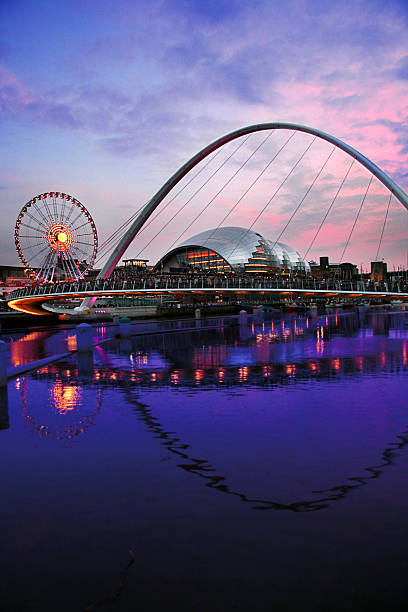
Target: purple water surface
256,468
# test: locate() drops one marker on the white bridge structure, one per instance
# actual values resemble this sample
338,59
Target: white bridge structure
34,299
30,299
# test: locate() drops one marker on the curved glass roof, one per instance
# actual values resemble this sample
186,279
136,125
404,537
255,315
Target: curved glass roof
237,245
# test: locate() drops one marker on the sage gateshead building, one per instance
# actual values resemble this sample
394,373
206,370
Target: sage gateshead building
232,249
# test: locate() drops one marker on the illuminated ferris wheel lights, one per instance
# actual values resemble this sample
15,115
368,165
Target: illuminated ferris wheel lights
48,246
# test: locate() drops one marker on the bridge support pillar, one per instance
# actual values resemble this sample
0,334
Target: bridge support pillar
125,327
258,314
84,337
3,363
243,317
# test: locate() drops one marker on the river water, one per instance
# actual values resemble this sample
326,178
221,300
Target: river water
224,467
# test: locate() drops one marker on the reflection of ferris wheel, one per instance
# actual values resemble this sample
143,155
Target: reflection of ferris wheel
56,237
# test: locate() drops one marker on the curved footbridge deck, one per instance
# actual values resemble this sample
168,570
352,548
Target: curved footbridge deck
31,300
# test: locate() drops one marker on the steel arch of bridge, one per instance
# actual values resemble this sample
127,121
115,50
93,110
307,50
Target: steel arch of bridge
154,202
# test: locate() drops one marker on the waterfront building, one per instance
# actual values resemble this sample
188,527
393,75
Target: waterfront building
325,269
233,250
378,271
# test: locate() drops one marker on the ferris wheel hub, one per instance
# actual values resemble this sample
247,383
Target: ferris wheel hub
59,237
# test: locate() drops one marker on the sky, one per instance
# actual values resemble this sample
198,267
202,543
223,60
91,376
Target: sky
104,100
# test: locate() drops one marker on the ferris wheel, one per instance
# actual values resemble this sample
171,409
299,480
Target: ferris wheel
56,237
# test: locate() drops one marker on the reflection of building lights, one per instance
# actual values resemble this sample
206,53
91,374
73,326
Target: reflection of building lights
404,353
198,375
153,377
64,397
72,343
18,384
267,371
314,366
383,359
174,377
307,323
290,369
319,343
359,362
336,364
221,374
242,373
24,349
320,346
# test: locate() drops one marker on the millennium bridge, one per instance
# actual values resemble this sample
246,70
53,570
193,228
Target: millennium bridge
62,233
31,299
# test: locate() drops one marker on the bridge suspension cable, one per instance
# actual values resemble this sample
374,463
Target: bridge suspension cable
329,209
356,219
198,190
224,186
383,227
304,197
249,188
108,242
272,197
146,225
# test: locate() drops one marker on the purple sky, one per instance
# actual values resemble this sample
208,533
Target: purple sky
106,99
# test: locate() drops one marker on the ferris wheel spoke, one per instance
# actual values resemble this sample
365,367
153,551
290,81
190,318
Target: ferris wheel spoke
34,229
72,265
81,242
54,206
62,210
82,225
71,210
35,220
76,219
40,212
86,234
48,210
39,252
81,251
63,265
36,235
32,246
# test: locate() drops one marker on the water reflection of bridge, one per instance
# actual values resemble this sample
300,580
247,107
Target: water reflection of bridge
75,391
59,375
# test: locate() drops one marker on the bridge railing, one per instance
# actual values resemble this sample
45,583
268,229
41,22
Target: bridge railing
210,282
